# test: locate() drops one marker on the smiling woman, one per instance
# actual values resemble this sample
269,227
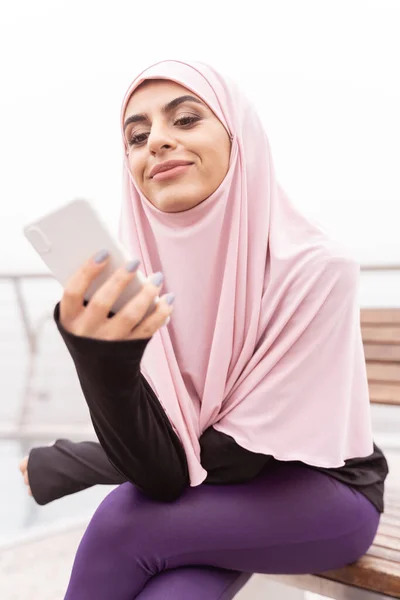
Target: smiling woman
242,428
163,123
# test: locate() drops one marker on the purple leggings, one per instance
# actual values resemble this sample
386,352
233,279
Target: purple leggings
205,545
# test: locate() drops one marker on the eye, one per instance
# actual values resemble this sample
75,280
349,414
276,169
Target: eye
186,121
134,140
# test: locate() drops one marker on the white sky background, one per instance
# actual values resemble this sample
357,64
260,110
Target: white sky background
324,75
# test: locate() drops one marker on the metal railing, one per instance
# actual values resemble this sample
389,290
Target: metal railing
382,267
32,332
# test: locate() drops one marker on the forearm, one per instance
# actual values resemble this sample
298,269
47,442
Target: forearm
130,423
139,440
66,468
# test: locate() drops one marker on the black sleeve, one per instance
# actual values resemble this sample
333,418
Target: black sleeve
67,467
129,421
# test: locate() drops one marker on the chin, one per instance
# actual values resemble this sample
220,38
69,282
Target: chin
171,202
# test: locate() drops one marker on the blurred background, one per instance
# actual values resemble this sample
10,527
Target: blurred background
324,75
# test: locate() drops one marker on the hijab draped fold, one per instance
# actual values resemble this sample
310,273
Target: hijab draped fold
264,343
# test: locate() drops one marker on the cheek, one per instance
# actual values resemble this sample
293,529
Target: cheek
219,155
136,170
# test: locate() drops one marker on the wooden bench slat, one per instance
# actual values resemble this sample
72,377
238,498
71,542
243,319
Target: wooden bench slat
389,372
370,573
381,334
389,520
386,403
377,551
392,507
389,529
380,316
382,352
386,566
387,541
383,393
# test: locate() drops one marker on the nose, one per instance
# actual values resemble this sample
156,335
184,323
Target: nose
160,138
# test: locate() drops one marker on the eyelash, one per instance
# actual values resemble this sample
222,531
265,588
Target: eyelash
133,141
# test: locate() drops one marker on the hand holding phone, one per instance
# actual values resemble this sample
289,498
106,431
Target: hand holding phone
68,241
130,322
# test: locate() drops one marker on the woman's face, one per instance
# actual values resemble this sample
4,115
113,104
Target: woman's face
161,125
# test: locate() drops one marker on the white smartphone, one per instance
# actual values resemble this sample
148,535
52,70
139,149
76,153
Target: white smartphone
70,235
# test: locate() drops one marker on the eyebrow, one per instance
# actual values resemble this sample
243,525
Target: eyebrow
169,107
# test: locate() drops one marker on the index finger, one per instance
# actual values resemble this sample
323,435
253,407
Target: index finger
74,290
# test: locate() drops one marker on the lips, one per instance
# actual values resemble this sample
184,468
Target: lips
168,165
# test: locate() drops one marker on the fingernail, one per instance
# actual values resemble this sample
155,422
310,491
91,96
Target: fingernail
167,321
169,298
132,265
156,279
101,256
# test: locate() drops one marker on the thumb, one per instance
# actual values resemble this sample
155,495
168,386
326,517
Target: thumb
23,465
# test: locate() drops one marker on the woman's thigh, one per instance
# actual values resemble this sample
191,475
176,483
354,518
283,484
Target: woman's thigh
290,519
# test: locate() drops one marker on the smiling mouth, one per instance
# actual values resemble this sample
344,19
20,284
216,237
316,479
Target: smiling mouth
171,173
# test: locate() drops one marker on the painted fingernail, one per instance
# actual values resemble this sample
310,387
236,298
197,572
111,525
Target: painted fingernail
169,298
101,256
132,265
156,279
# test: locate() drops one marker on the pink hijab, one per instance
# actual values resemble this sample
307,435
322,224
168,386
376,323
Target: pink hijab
264,342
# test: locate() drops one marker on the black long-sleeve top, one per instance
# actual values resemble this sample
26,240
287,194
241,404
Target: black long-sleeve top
138,443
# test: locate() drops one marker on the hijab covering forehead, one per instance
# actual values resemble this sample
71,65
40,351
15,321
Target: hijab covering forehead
264,343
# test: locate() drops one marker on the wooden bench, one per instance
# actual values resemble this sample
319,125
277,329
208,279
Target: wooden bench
377,574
